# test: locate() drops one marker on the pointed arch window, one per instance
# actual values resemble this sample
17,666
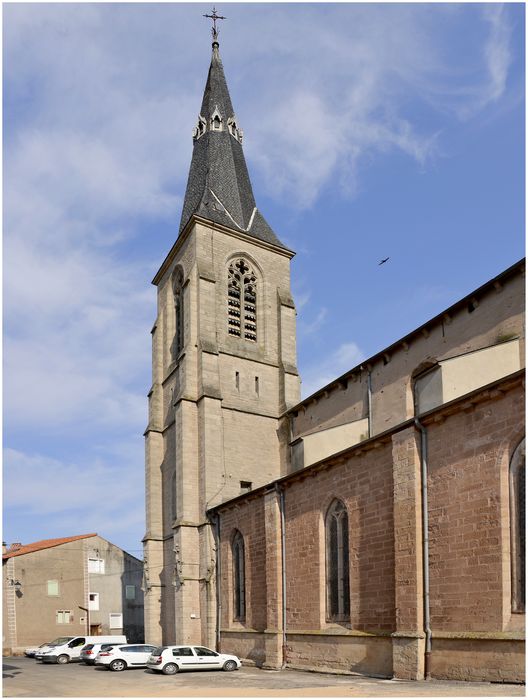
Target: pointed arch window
179,312
337,563
239,578
242,301
517,528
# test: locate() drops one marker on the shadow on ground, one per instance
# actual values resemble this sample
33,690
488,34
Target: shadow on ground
10,671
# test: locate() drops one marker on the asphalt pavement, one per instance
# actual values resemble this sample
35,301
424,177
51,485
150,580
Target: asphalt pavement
23,677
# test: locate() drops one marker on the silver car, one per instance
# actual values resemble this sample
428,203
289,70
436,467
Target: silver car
90,651
170,660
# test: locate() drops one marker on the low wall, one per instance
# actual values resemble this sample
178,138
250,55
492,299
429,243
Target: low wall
475,658
348,652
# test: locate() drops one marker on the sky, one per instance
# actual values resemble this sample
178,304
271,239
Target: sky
370,131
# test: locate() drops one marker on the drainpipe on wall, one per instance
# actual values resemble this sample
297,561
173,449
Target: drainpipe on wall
283,571
425,548
369,402
218,575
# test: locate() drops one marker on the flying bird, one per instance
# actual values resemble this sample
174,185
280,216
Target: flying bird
383,261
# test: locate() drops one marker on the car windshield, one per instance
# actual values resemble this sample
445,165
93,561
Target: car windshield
87,647
158,650
60,640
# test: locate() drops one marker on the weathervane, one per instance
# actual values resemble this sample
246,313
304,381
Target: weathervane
214,17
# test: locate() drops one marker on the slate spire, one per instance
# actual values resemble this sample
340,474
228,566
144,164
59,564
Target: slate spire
219,188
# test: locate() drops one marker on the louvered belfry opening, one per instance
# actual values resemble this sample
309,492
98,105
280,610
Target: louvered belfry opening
242,301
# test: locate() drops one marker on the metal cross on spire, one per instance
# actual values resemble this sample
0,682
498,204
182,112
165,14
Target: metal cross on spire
214,17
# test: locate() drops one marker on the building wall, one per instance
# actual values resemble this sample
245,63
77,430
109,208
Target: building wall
475,634
213,420
30,617
36,611
121,570
490,317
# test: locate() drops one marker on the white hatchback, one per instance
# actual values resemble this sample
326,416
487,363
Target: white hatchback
170,660
122,656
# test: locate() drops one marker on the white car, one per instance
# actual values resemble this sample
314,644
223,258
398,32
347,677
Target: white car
31,651
122,656
170,660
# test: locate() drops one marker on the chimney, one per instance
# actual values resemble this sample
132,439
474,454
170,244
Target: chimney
4,547
15,546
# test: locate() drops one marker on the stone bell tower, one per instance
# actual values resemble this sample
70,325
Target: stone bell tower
223,372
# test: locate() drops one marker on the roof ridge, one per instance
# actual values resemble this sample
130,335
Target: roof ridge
43,544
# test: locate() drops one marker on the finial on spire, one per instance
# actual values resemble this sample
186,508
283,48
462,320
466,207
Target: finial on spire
214,30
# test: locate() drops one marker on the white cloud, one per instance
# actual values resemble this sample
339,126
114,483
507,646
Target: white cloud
59,487
342,359
497,51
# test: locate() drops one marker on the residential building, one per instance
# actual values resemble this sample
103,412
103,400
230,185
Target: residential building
70,586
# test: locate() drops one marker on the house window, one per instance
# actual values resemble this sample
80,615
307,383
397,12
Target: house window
53,588
239,578
93,601
116,621
64,617
96,566
517,528
337,563
130,592
242,301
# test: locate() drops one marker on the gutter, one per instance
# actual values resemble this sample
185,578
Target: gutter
280,491
425,548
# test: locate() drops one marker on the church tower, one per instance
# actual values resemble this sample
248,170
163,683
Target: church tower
223,372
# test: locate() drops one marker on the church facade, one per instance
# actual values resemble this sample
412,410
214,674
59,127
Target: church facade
375,527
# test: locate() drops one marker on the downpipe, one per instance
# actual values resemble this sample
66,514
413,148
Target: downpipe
425,548
283,571
218,566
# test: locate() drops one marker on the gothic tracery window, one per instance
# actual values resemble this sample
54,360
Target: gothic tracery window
239,578
337,563
242,301
517,528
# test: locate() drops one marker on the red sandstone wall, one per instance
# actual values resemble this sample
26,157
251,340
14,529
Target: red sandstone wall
469,457
364,484
248,517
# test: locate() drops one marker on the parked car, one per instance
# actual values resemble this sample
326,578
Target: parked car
121,656
70,649
31,651
90,651
170,660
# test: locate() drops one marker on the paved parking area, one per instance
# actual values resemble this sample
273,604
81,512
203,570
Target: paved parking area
24,677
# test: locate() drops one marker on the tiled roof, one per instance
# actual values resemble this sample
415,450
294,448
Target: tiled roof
42,544
219,188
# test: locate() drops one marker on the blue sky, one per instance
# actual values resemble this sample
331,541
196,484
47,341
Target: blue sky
369,130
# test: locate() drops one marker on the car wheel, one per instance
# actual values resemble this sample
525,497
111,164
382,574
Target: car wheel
117,665
63,659
170,669
230,665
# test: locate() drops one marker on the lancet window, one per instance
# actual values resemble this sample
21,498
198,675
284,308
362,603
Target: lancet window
242,301
337,563
517,528
179,312
239,578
